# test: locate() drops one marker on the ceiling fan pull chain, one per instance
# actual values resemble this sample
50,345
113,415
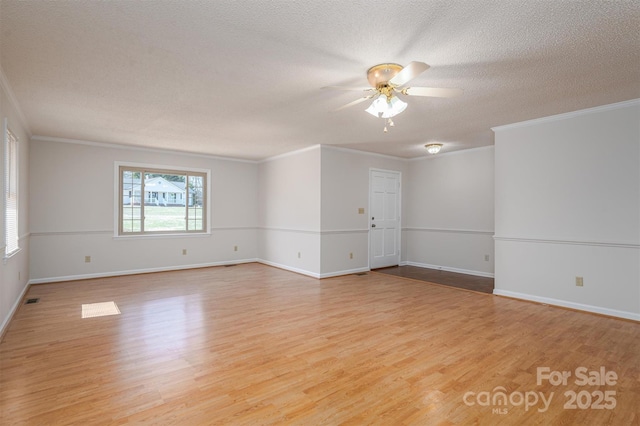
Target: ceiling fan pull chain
389,123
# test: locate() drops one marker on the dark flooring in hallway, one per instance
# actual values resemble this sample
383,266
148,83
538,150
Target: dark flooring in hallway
452,279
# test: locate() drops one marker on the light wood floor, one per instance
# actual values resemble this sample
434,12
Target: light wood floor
252,344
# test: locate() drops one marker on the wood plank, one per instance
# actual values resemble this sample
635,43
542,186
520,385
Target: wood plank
257,345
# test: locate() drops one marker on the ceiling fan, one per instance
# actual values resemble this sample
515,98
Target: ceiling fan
389,80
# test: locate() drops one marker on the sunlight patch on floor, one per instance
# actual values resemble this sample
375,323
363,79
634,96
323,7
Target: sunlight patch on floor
99,309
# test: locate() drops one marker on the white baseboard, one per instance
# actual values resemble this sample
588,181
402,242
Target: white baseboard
176,268
571,305
289,268
12,311
313,274
137,271
345,272
450,269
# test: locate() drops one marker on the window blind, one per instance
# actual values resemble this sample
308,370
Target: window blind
11,192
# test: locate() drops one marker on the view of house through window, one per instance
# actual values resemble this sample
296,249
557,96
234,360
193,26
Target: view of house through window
161,201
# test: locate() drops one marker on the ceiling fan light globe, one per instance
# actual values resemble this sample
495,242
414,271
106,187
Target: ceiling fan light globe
377,106
396,106
386,108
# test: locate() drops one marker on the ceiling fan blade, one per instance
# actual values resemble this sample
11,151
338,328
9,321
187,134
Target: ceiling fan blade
356,102
357,89
431,91
408,73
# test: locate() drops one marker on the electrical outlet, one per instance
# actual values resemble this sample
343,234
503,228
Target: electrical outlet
579,281
87,259
184,252
19,275
235,248
486,257
350,255
299,256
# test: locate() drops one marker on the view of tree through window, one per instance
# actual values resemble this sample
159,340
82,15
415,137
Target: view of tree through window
161,201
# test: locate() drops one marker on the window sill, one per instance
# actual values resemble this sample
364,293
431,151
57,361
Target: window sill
10,255
161,236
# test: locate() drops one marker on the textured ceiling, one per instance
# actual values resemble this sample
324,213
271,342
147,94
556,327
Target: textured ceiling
244,78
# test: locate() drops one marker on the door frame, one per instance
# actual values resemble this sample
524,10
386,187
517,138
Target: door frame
399,173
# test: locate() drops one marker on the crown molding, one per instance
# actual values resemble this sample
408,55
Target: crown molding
6,87
568,115
138,148
357,151
452,153
288,154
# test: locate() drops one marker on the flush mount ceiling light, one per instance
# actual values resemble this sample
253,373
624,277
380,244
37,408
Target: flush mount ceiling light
433,148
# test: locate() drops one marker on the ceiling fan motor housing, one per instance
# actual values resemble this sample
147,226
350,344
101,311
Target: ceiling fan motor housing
379,75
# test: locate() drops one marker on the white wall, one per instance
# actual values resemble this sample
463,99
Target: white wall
14,272
345,189
72,213
450,217
309,203
567,205
289,211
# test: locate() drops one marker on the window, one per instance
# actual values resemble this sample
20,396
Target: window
160,201
10,192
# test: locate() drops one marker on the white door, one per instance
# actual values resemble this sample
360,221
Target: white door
384,206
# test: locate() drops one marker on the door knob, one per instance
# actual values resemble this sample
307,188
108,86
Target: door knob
373,225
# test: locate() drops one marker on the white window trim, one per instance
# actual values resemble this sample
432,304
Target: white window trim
116,198
6,183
